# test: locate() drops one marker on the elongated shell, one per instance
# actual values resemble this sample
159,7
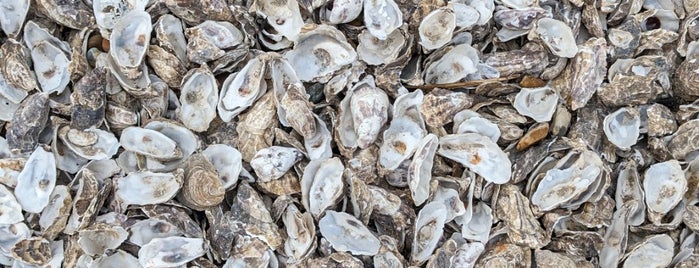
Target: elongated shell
10,209
241,90
271,163
149,143
654,251
142,232
89,100
420,169
93,143
198,96
201,188
12,15
537,103
27,123
429,227
478,153
664,185
36,181
147,188
228,163
561,185
301,231
170,252
129,39
364,112
437,27
346,233
322,185
382,17
100,237
456,64
622,127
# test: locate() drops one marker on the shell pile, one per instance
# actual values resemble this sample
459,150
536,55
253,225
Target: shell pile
349,133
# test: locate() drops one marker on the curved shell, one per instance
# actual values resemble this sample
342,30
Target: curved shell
436,28
93,144
562,185
198,96
345,233
129,39
201,188
456,64
400,141
16,66
478,228
320,52
169,31
322,185
341,11
479,154
228,163
296,111
142,232
36,181
118,259
100,237
108,12
284,16
55,215
382,17
147,188
241,90
318,146
207,41
664,185
366,107
420,169
51,67
301,231
170,252
11,234
12,16
271,163
375,51
429,227
622,127
654,251
556,35
150,143
89,100
468,121
10,209
536,103
185,139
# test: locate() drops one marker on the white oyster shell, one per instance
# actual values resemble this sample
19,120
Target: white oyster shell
55,214
301,231
468,121
118,259
452,202
142,232
375,51
556,35
284,16
228,163
664,185
108,12
622,127
320,52
51,67
10,234
318,146
400,142
562,185
145,187
478,228
91,144
10,209
382,17
341,11
100,237
364,112
537,103
129,39
436,28
170,252
429,227
198,97
185,139
272,162
12,15
150,143
346,233
322,185
654,251
170,32
36,181
240,90
455,65
479,154
420,169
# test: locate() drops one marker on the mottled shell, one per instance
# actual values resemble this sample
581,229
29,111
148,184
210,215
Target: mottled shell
169,31
100,237
654,251
684,141
429,227
440,105
89,100
537,103
346,233
170,252
10,209
622,127
478,153
27,123
129,39
271,163
322,185
456,64
146,187
12,16
202,187
15,68
240,90
150,143
92,143
36,181
55,215
561,185
375,51
74,14
664,185
228,163
35,250
437,27
198,96
342,11
364,112
207,41
301,231
283,16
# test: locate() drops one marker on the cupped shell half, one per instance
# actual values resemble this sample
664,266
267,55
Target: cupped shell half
537,103
557,36
322,185
320,52
170,252
198,96
36,181
622,127
346,233
478,153
664,185
437,27
148,188
129,39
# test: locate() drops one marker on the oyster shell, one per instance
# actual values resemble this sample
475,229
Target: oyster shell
420,169
146,187
322,185
429,227
202,187
478,153
364,112
436,28
198,99
664,184
382,17
170,251
556,35
99,237
459,62
150,143
329,49
36,181
346,233
12,16
537,103
129,39
227,161
271,163
10,209
622,127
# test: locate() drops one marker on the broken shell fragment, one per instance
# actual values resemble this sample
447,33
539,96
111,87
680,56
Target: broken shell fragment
10,209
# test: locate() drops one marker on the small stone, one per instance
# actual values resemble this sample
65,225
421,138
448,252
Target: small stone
534,135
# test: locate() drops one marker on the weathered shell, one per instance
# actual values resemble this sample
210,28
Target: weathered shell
89,100
146,187
567,182
522,225
202,187
537,103
27,123
119,259
227,161
420,169
196,12
659,120
10,209
207,41
329,49
436,28
664,184
34,250
375,51
364,112
284,17
301,231
622,127
478,153
199,93
51,67
557,36
382,17
166,65
55,215
654,251
241,90
271,163
186,141
456,64
16,68
144,231
86,201
169,32
295,110
108,12
129,39
150,143
72,13
100,237
468,121
170,252
429,227
322,185
93,143
346,233
440,106
400,142
36,181
342,11
11,234
684,141
583,75
318,146
12,16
